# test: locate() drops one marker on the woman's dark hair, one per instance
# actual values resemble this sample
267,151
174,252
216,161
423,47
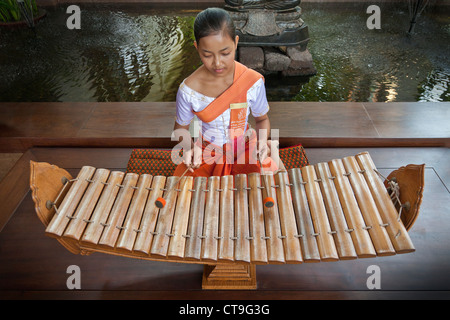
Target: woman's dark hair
211,21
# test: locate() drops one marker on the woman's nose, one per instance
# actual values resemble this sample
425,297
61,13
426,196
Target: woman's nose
216,61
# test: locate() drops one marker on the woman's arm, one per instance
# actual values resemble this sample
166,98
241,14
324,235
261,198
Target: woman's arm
262,133
265,145
262,127
179,126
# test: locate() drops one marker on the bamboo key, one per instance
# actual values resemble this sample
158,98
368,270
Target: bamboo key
161,202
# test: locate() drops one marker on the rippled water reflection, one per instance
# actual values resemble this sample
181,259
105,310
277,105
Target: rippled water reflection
138,54
115,56
358,64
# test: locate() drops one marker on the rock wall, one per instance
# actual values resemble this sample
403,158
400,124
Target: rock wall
289,61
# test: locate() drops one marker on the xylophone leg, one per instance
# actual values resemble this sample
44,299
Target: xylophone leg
229,276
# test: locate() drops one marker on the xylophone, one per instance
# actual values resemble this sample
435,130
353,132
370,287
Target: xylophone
330,211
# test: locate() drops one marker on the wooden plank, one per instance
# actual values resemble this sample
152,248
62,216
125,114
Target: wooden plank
211,222
303,218
14,186
196,218
84,211
67,208
291,244
177,242
161,237
242,232
324,238
378,233
346,124
101,212
119,211
360,235
226,220
133,218
396,230
274,244
149,217
338,224
258,250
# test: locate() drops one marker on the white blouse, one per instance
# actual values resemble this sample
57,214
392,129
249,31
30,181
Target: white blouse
216,131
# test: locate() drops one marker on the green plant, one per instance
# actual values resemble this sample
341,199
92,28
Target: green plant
10,10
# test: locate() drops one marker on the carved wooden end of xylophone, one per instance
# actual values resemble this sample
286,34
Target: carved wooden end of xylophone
336,210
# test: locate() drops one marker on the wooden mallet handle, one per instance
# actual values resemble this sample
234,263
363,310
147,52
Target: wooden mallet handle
268,201
161,202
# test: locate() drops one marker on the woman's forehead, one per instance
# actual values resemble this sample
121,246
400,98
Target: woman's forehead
217,40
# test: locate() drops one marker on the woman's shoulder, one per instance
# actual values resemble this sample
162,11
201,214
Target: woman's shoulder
191,93
257,88
195,79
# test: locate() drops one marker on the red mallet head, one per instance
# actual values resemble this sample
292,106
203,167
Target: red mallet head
160,203
268,202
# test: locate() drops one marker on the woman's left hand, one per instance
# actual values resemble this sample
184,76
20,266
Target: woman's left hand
263,150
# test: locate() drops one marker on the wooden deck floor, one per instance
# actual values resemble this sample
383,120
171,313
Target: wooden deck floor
33,266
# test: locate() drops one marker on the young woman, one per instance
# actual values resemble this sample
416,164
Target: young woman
222,93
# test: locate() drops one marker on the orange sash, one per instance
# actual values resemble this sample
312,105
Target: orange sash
244,79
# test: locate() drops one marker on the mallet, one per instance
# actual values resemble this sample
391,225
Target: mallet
268,201
161,202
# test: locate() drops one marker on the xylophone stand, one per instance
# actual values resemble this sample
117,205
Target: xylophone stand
229,277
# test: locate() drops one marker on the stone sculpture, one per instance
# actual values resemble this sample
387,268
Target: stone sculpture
272,36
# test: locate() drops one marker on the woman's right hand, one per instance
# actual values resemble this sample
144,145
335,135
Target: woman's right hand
193,158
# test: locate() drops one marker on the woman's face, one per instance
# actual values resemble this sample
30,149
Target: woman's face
217,52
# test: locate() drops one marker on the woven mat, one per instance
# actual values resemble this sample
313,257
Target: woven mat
158,161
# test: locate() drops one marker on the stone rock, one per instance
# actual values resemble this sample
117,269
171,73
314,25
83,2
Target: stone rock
300,59
275,61
252,57
261,23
